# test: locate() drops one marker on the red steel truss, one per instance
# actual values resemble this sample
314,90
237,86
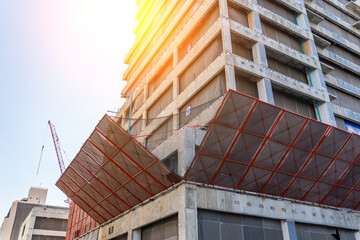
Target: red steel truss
113,173
255,146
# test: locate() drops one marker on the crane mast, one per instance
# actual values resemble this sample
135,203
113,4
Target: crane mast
57,147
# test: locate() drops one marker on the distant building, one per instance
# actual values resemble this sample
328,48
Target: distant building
45,222
29,218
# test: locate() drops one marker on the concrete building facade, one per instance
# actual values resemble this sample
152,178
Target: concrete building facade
24,218
45,222
300,55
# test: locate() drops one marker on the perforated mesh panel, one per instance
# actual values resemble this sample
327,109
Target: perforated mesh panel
112,173
79,223
255,146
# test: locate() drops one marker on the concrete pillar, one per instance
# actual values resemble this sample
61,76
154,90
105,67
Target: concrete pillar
175,57
289,230
265,91
144,120
227,45
176,119
188,224
230,77
224,10
326,113
176,87
316,78
225,31
259,54
189,149
146,91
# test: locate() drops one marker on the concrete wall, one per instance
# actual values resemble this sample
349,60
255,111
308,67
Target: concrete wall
185,200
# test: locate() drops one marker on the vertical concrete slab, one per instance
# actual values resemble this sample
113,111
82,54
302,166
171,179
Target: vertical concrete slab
189,149
230,77
188,227
327,113
265,91
176,87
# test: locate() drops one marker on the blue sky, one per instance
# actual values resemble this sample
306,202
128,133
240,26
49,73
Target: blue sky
60,61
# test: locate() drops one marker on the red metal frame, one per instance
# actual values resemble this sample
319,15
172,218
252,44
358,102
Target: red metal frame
235,139
308,160
95,155
266,139
327,168
101,168
309,142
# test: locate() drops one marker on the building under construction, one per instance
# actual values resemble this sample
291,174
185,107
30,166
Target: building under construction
243,120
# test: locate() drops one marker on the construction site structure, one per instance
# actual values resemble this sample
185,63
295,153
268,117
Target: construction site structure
240,119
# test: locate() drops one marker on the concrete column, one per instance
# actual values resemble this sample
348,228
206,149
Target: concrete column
324,110
146,91
265,91
224,10
189,149
227,45
175,57
289,230
230,77
188,224
327,113
225,31
144,120
176,119
176,87
259,54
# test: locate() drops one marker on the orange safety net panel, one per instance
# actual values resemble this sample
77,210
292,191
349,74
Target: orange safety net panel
113,173
79,222
255,146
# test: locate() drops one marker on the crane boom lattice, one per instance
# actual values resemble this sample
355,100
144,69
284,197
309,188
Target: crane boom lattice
57,147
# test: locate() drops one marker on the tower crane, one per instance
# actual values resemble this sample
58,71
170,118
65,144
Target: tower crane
57,147
58,150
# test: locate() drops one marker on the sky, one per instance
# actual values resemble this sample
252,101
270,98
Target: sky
60,60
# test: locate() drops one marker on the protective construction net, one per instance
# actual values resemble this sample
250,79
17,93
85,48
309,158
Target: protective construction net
79,222
112,173
258,147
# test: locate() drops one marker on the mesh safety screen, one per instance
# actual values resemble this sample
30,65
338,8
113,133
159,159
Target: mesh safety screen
112,173
255,146
79,222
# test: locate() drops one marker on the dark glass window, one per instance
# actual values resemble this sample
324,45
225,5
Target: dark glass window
227,226
54,224
318,232
121,237
166,229
171,162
